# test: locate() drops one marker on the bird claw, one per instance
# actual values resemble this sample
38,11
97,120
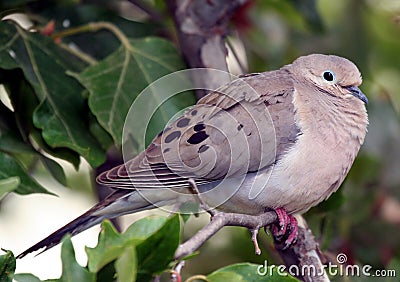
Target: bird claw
176,272
286,227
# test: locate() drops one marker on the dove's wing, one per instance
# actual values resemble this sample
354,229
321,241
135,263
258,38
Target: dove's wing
241,127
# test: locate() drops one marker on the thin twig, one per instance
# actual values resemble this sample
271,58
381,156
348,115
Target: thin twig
196,192
94,27
220,220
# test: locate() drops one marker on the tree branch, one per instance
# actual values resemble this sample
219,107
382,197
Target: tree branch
202,26
220,220
305,254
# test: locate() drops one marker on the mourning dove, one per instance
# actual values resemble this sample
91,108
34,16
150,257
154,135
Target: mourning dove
281,140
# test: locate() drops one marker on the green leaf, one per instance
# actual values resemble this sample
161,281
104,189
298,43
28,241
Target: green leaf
156,252
126,265
11,140
61,114
116,81
8,185
247,272
9,167
100,133
145,249
26,277
71,270
309,11
7,267
55,169
107,273
110,246
20,121
98,44
61,153
145,227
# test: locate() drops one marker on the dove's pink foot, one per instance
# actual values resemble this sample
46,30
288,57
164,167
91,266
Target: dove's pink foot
287,226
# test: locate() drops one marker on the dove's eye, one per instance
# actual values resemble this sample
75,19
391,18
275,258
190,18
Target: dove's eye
329,76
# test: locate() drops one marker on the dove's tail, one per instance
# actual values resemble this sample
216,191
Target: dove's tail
118,203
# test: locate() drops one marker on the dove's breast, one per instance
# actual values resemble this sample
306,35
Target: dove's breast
332,132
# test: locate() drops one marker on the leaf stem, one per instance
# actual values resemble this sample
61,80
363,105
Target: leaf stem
196,277
78,53
94,27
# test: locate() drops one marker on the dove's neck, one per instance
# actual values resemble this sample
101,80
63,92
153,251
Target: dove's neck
332,120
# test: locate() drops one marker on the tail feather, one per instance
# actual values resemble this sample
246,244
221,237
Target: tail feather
76,226
90,218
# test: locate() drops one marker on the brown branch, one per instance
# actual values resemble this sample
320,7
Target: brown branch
305,253
220,220
202,26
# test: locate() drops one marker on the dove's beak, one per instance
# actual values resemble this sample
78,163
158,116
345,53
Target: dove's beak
356,92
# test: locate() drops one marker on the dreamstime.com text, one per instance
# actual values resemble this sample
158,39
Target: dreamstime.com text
340,269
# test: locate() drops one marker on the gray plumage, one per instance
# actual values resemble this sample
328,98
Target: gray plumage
278,139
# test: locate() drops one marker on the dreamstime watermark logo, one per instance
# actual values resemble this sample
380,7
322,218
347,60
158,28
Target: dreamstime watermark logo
332,269
209,141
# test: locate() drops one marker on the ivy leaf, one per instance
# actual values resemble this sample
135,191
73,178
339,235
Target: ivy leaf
61,114
17,132
109,247
126,265
7,266
71,270
26,277
55,169
9,167
98,44
145,227
8,185
62,153
115,82
145,249
11,140
157,251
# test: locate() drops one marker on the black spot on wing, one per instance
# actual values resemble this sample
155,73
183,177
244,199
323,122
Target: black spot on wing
193,113
199,127
163,131
172,136
182,122
198,137
203,148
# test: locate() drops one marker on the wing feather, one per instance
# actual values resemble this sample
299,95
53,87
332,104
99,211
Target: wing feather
241,127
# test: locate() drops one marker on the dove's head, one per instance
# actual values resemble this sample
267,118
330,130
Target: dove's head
332,74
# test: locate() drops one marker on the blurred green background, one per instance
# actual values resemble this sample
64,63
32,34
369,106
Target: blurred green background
362,220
